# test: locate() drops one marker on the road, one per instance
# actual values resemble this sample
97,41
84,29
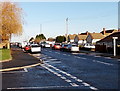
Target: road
64,70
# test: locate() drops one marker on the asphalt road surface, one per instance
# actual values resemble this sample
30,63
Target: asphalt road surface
64,70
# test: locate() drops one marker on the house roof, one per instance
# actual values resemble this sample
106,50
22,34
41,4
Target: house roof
97,35
72,36
82,37
108,32
109,38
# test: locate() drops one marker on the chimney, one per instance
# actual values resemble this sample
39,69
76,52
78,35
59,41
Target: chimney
87,32
104,31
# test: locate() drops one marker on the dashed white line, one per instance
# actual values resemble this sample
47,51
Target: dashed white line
83,58
85,84
64,54
74,84
102,62
73,77
63,77
53,59
67,80
108,57
97,56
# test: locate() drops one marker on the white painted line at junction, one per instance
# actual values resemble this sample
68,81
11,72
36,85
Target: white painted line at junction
63,77
93,88
73,77
85,84
40,87
67,80
25,69
74,84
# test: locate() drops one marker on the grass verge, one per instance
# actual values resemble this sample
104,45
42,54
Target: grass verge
5,54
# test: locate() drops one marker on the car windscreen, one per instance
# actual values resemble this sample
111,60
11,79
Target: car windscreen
35,46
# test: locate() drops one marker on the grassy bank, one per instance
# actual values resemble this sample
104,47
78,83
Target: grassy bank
5,54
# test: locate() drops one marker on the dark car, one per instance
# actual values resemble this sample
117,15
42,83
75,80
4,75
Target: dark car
64,47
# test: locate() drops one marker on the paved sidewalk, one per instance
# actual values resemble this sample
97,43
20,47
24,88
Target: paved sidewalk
99,54
19,59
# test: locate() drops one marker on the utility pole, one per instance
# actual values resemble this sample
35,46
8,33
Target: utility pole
66,30
40,28
114,43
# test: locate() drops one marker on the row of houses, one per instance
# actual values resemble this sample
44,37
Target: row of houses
91,38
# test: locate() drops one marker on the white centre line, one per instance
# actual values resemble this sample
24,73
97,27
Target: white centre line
73,77
102,62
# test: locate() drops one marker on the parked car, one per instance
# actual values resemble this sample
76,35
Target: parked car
64,47
47,45
57,46
27,48
35,48
73,48
88,45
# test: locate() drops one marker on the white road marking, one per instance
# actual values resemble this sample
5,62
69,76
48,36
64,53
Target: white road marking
97,56
53,59
85,84
67,80
93,88
74,84
44,58
73,77
108,57
102,62
83,58
40,87
55,62
118,59
63,77
49,57
68,55
25,69
64,54
79,80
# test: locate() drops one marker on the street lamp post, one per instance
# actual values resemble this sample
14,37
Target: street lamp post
114,44
66,30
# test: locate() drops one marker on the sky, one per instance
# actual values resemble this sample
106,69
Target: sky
49,18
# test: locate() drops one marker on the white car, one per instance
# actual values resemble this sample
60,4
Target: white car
87,45
73,48
35,48
47,45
